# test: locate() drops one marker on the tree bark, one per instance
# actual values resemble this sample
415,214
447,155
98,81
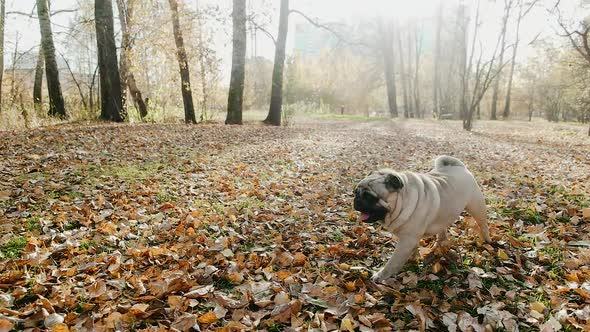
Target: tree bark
276,96
56,100
508,6
436,80
235,97
386,31
127,76
2,23
187,97
38,84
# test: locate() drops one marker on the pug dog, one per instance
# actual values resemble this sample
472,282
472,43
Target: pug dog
416,205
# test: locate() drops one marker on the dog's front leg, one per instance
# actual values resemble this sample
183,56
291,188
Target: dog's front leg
403,250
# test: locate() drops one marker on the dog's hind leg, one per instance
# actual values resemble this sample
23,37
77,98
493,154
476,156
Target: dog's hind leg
477,209
442,243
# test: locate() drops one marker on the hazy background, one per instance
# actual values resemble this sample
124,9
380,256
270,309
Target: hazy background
538,25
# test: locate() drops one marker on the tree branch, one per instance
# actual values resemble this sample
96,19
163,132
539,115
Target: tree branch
319,25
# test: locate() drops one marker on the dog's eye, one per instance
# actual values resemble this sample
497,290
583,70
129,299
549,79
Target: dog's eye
369,197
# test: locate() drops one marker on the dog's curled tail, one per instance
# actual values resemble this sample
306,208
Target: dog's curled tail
445,161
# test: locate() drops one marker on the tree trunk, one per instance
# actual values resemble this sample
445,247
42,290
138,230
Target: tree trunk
2,20
111,100
56,100
127,77
276,96
403,74
411,110
38,84
386,31
506,112
235,97
202,65
418,45
436,80
187,97
493,115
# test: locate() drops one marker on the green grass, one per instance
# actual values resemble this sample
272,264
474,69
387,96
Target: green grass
223,283
135,172
337,237
85,245
164,198
71,226
13,248
33,224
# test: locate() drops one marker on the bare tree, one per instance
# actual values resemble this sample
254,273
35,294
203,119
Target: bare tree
521,14
276,96
404,77
38,83
126,10
417,53
410,77
2,20
110,81
578,37
187,97
235,97
386,33
56,100
436,80
507,8
484,73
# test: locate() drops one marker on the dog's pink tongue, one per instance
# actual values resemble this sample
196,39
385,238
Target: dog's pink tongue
365,216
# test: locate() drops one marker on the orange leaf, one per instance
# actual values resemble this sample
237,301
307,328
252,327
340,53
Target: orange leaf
300,259
6,325
208,318
166,206
350,286
284,274
60,327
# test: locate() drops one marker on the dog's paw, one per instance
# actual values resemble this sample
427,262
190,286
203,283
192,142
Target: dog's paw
379,277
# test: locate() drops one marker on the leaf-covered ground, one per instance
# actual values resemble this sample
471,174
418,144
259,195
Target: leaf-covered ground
210,227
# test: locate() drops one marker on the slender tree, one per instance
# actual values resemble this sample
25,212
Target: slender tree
404,77
56,100
386,32
521,14
436,81
238,71
276,96
187,97
2,20
126,10
417,53
38,83
110,81
496,87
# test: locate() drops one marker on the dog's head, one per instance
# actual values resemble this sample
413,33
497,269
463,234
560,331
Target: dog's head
372,194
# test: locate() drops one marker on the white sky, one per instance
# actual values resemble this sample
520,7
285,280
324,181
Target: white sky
538,22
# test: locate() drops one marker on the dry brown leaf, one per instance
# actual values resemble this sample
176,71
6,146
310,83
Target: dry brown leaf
208,318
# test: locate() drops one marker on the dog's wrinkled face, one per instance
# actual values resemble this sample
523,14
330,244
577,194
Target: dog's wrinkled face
373,192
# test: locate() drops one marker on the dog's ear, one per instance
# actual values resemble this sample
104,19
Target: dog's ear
393,182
